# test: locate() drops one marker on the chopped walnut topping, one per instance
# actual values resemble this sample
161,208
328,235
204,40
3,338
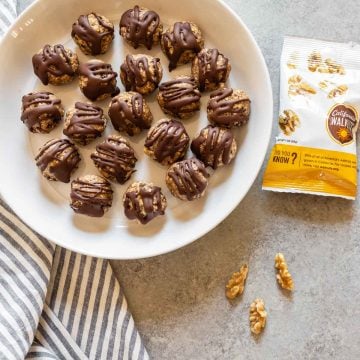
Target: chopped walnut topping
236,284
288,121
314,61
339,90
257,316
283,277
299,87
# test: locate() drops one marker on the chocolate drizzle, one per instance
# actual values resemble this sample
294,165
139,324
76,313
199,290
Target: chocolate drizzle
116,158
90,197
180,93
181,39
145,204
100,79
167,139
213,146
136,72
83,29
222,111
86,123
59,157
189,177
128,117
34,105
53,60
209,70
140,30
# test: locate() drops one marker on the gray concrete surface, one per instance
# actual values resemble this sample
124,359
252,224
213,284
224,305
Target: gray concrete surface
178,299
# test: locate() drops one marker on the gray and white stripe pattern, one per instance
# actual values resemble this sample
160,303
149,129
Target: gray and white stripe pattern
66,305
54,303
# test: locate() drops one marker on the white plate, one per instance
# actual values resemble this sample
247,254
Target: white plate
44,205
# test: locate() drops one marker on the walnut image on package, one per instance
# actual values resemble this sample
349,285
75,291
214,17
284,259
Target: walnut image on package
328,66
288,121
283,277
257,316
338,91
236,283
299,87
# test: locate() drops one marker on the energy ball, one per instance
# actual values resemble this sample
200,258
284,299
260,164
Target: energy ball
143,202
181,43
55,65
141,73
91,195
140,26
210,69
84,123
129,112
228,108
97,80
93,33
115,159
179,97
41,111
57,159
167,141
214,146
187,179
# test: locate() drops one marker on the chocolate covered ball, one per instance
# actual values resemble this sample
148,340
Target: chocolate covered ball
41,111
140,26
55,65
97,80
91,195
181,43
179,97
84,123
187,179
141,73
57,159
167,141
210,69
115,159
214,146
129,112
143,202
93,33
228,108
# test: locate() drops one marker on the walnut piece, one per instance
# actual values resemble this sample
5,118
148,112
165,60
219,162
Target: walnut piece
283,277
299,87
236,284
334,67
314,61
339,90
288,121
257,316
293,60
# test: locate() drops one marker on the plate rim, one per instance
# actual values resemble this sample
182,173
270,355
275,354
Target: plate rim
268,130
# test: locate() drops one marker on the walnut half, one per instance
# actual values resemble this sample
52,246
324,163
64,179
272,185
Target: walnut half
257,316
297,86
236,284
288,121
283,277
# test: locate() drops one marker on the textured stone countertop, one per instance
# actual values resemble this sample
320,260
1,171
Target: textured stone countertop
178,299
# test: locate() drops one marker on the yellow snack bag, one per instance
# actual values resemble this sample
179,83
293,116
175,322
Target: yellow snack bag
315,151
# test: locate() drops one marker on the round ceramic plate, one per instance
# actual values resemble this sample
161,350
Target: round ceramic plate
44,205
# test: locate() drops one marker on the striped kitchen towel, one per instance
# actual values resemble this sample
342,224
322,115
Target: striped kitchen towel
54,303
